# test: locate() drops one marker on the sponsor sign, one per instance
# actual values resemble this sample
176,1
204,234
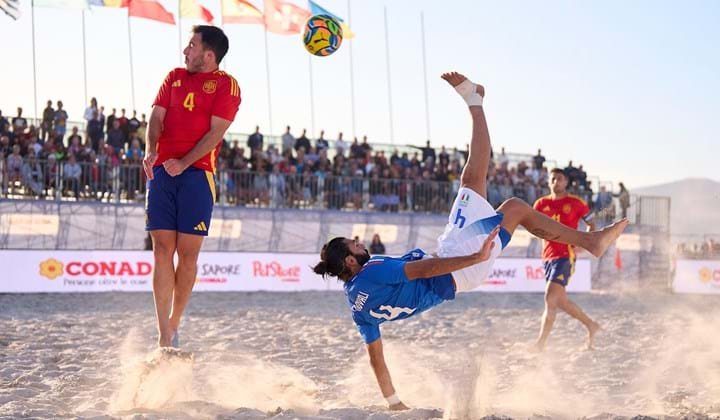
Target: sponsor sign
528,275
697,276
40,271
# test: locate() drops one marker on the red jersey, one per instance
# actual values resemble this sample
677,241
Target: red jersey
191,99
567,210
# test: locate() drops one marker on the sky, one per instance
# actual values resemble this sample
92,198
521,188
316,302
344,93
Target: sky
631,90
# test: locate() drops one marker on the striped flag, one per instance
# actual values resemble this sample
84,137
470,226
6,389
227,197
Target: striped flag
150,9
193,9
241,11
11,8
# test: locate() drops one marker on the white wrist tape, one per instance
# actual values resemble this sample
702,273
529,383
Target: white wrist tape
393,399
468,91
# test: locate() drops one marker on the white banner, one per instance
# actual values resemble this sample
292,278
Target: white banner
528,275
36,271
697,276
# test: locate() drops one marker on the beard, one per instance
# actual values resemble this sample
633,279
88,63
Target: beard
362,258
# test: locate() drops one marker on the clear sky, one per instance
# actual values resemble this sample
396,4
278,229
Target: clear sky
629,89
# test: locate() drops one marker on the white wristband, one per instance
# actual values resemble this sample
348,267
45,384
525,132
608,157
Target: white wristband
393,399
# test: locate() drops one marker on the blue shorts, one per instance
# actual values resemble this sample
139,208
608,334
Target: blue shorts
560,270
183,203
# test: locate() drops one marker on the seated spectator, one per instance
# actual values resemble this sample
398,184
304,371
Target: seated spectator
33,175
115,137
71,176
376,246
14,165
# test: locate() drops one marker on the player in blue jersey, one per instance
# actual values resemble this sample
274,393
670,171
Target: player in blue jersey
381,289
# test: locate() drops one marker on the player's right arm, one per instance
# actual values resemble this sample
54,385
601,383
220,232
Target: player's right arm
382,374
152,136
431,267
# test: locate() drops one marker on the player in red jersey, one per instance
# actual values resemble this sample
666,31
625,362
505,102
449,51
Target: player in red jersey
193,108
559,258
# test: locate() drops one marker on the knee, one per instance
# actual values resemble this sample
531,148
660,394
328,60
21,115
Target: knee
163,249
513,204
187,256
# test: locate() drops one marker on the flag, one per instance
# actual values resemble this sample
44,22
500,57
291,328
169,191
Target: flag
240,11
284,18
316,9
193,9
618,260
11,8
150,9
109,3
62,4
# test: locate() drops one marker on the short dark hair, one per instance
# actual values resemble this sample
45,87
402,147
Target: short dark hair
213,39
559,171
332,259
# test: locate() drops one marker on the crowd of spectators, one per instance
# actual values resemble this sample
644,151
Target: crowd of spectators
104,161
708,249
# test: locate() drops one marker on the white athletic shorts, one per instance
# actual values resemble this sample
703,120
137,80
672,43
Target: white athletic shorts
471,219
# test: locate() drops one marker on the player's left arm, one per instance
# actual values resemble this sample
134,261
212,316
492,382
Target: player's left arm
382,374
218,127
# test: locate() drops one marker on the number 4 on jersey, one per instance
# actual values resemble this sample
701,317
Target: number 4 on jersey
189,102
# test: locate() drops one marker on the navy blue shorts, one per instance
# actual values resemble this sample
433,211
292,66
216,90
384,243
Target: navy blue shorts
560,270
183,203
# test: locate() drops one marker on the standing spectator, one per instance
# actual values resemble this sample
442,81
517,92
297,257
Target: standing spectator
303,142
3,186
95,130
376,246
255,142
123,124
60,120
101,118
443,158
91,111
71,175
110,119
366,146
427,152
133,124
47,121
581,177
33,175
571,172
142,130
341,145
288,141
321,144
3,121
19,123
623,199
356,151
502,160
538,160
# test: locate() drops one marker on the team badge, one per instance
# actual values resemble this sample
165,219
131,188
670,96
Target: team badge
210,86
464,200
567,208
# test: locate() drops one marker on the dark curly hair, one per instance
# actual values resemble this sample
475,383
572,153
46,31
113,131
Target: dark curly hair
332,260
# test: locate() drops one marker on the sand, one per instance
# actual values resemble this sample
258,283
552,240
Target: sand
298,355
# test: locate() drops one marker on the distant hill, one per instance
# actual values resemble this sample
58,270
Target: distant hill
695,205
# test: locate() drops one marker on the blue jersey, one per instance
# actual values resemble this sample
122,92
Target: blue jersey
381,292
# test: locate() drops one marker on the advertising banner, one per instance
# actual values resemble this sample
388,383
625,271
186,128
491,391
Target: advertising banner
42,271
697,276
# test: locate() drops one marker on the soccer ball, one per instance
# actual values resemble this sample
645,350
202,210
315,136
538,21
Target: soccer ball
323,35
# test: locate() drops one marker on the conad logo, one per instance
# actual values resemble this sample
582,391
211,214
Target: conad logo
52,268
707,275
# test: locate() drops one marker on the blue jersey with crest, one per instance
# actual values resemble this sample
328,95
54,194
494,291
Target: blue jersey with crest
381,292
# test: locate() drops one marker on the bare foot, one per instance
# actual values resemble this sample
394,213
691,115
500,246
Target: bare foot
592,331
537,348
603,238
455,78
165,339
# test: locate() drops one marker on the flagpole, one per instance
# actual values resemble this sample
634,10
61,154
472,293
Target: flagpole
132,76
387,58
180,32
84,57
32,23
312,98
267,70
427,103
352,76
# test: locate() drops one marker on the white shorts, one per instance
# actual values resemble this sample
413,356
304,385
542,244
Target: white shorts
471,219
